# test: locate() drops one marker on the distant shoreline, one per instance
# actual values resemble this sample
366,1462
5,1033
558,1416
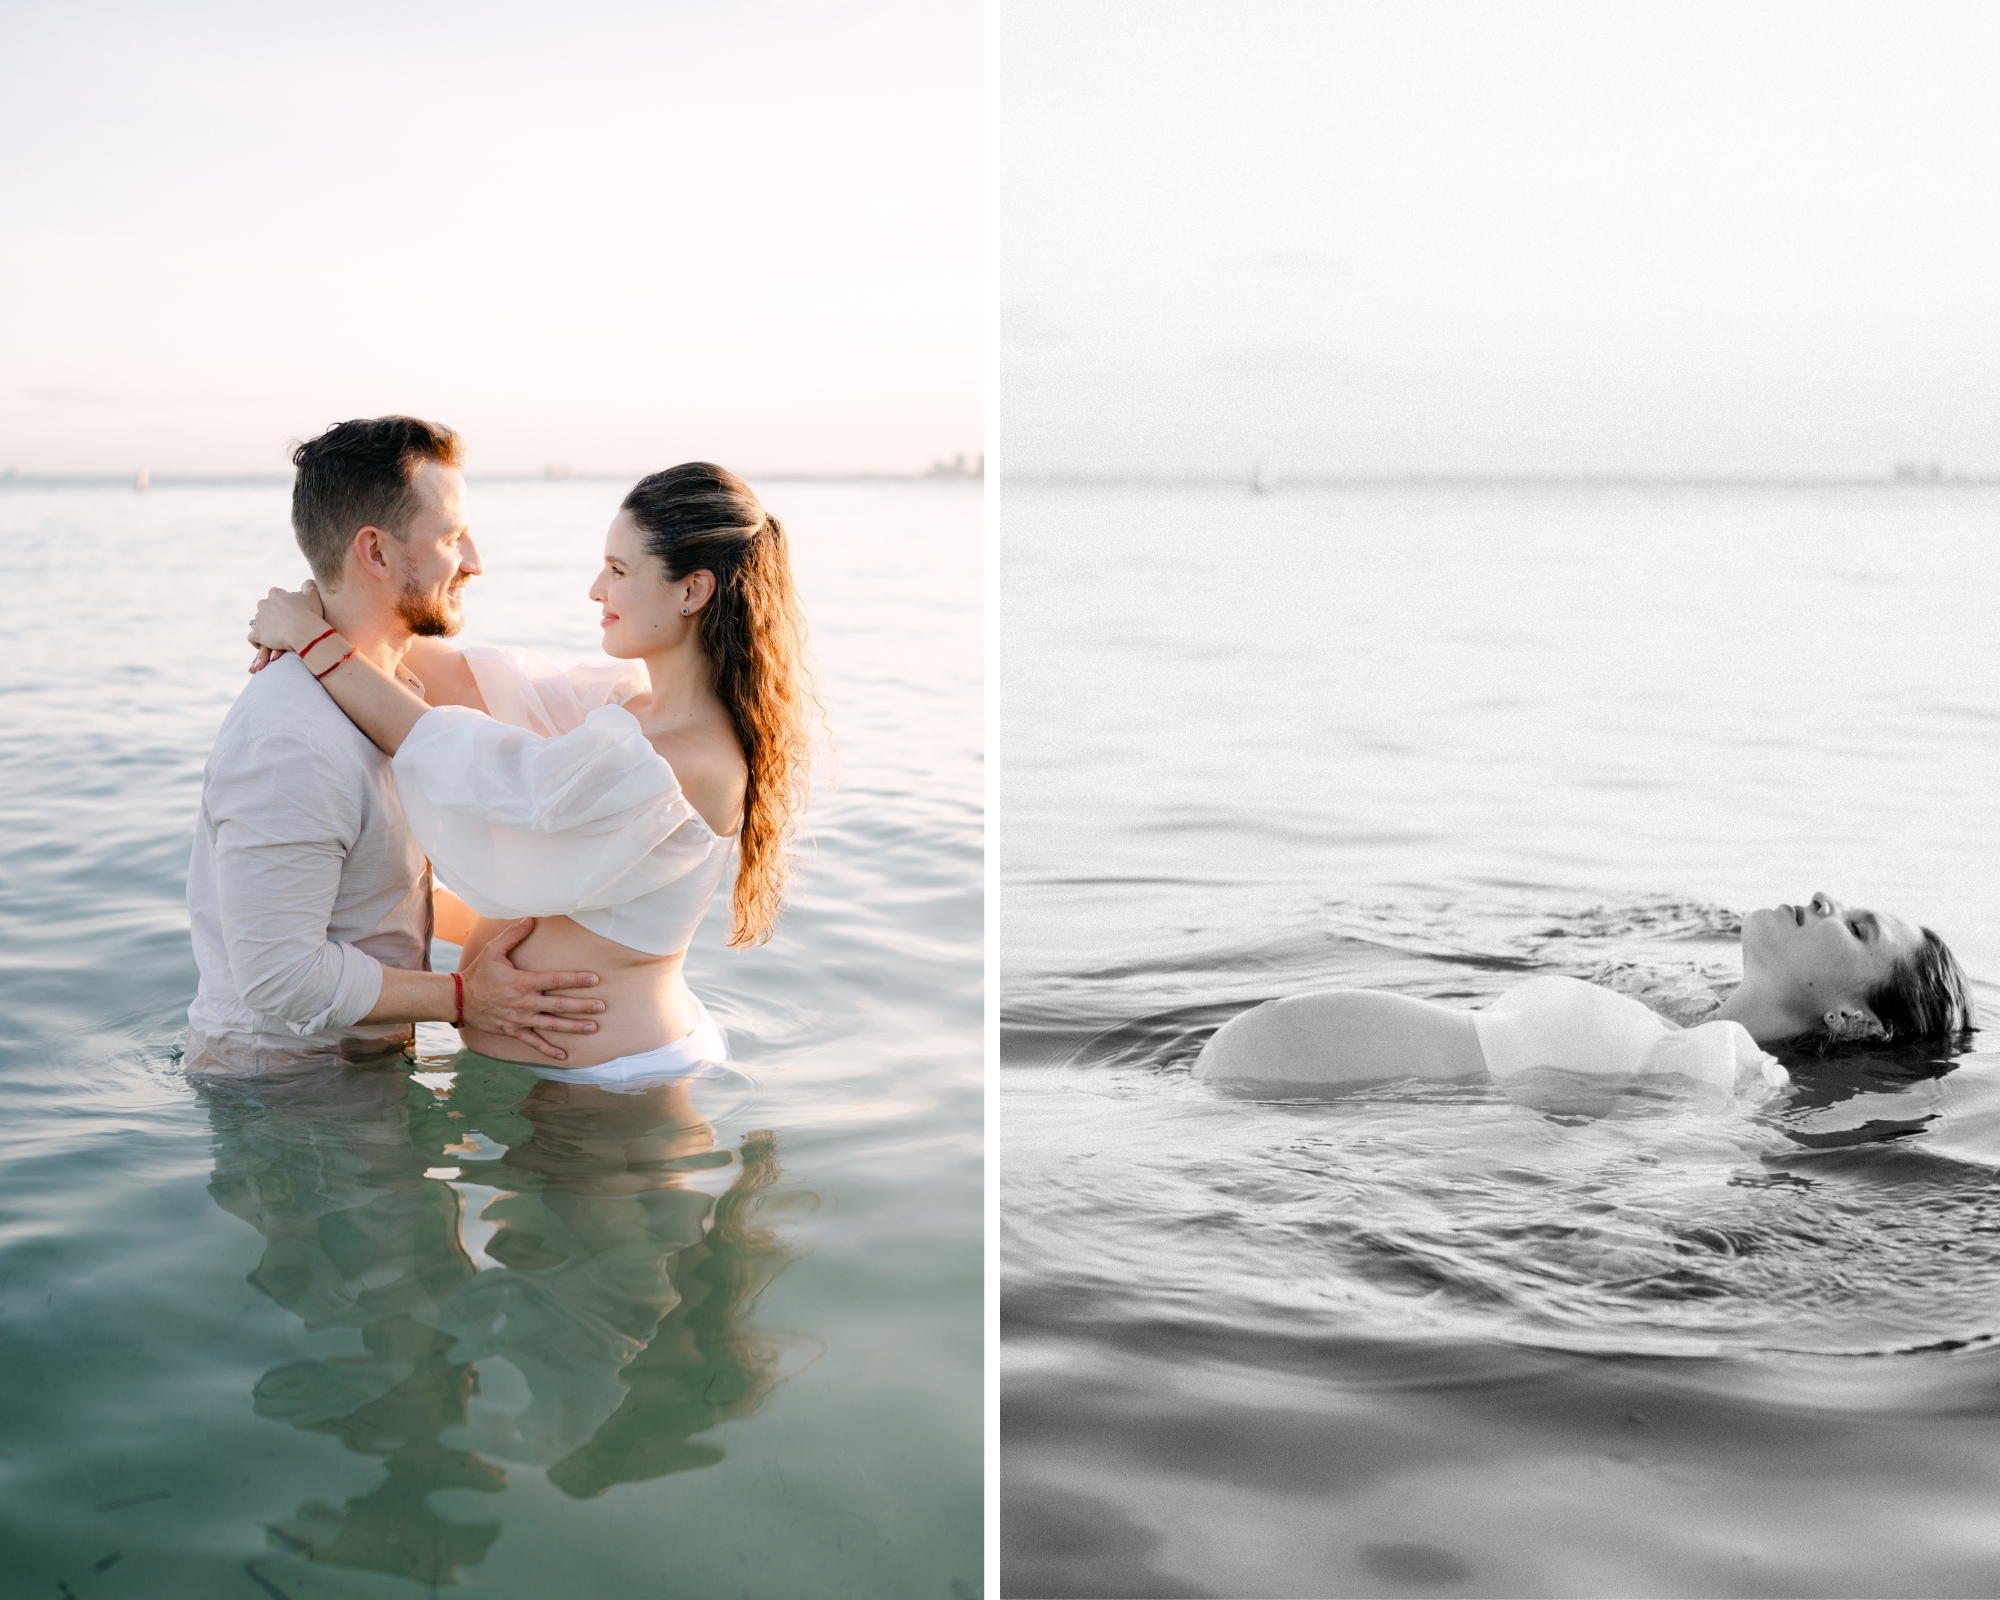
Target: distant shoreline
1278,484
125,480
1274,484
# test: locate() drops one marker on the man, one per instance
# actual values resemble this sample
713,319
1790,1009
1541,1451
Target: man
310,900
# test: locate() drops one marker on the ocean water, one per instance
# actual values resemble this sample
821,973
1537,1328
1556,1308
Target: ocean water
1430,1341
387,1332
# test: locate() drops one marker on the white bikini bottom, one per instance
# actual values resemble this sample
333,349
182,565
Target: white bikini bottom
703,1053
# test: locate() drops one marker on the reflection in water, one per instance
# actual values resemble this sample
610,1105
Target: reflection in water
616,1289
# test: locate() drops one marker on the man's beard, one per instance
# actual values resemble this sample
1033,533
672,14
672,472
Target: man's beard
430,615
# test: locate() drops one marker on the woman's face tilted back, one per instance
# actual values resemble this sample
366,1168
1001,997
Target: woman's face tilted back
1823,956
642,606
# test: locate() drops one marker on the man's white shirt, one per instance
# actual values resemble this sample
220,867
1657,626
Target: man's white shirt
305,881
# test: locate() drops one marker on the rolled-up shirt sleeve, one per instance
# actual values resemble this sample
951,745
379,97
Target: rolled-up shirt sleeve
285,819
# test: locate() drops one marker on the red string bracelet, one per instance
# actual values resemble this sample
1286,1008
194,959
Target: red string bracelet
329,669
458,983
330,632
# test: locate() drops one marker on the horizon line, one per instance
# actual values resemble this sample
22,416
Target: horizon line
169,480
1272,482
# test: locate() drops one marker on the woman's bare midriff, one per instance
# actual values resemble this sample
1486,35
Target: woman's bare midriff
646,1001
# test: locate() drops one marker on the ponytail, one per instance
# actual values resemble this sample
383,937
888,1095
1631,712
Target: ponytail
754,634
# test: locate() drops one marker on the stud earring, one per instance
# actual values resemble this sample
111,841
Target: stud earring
684,610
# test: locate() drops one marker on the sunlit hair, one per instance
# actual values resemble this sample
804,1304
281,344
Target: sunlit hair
361,474
699,516
1925,997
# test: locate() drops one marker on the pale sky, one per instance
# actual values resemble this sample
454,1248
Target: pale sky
1380,236
603,235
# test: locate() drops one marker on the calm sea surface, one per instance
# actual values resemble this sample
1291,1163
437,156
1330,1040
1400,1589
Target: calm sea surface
1436,1343
396,1331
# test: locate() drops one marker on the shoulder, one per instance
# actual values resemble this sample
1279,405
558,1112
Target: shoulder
708,762
286,750
281,707
434,654
445,673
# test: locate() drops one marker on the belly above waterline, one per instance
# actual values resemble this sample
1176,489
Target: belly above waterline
647,1002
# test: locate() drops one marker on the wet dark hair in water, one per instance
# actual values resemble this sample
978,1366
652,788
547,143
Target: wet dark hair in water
1926,997
697,516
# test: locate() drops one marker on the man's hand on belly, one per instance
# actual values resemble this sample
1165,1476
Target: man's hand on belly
501,998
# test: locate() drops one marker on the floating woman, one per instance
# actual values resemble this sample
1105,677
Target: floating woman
1814,976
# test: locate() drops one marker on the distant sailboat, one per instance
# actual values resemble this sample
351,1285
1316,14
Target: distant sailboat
1259,484
140,480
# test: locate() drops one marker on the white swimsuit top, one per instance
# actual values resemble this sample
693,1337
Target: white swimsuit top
1565,1025
557,805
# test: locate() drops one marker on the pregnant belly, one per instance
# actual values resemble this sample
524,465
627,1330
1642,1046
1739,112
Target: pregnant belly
646,1002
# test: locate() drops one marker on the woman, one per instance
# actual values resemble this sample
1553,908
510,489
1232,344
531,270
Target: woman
1813,976
605,801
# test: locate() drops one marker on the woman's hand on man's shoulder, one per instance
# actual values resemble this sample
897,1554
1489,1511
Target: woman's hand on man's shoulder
287,619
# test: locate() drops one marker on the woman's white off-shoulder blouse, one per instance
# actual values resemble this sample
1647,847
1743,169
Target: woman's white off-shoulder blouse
556,804
1565,1025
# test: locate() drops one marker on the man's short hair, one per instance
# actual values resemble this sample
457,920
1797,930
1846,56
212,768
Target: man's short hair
361,474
